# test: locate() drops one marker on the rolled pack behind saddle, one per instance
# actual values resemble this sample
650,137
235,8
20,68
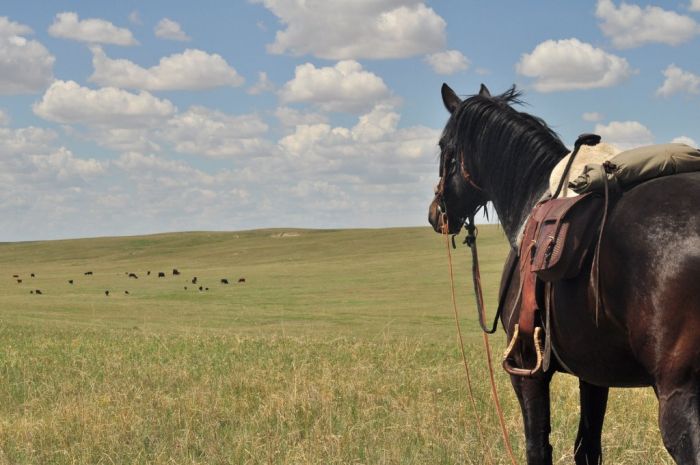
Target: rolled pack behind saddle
561,233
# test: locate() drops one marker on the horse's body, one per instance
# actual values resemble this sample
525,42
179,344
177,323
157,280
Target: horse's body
648,327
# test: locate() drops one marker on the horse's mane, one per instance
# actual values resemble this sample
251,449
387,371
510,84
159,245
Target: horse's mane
509,152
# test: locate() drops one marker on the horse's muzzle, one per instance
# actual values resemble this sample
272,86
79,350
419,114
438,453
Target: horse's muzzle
435,217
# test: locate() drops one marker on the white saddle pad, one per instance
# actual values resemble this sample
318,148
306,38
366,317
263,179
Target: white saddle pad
586,154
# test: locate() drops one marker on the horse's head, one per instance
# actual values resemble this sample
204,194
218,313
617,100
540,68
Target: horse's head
457,195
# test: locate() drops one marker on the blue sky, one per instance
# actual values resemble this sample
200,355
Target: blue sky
139,117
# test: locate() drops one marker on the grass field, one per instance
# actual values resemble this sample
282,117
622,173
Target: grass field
340,348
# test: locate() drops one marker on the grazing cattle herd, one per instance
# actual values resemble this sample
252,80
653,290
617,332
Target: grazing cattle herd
130,275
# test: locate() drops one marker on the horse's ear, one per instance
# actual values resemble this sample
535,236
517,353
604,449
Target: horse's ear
449,98
484,91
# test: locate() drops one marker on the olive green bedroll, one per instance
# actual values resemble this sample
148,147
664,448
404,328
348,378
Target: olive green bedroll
632,167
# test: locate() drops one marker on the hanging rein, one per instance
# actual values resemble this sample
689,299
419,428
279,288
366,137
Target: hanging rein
470,241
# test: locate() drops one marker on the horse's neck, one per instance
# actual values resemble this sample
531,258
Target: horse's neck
513,215
518,192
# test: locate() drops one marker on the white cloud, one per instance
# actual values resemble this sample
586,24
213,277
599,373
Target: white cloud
190,70
24,141
263,85
685,140
137,162
631,26
376,124
375,134
64,165
344,87
211,133
592,116
170,30
125,139
352,30
290,117
625,134
678,80
25,65
10,28
67,25
447,62
68,102
694,5
571,64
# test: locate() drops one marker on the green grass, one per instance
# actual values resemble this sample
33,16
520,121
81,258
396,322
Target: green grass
340,348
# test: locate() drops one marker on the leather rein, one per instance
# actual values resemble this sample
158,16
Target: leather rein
470,241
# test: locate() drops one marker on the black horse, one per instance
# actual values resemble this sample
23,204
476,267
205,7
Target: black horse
648,329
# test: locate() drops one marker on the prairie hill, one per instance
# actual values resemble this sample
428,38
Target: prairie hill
349,282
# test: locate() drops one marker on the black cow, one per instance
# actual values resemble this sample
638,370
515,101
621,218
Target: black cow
224,281
241,280
161,274
148,273
19,281
32,275
201,288
15,276
133,275
70,281
175,272
194,280
126,292
88,273
185,287
38,291
107,293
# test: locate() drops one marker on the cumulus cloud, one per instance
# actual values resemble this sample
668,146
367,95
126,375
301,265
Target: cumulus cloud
447,62
69,102
376,134
685,140
373,29
170,30
190,70
291,117
124,139
678,80
571,64
376,124
212,133
67,25
694,5
343,87
65,166
263,85
625,134
26,140
26,66
630,26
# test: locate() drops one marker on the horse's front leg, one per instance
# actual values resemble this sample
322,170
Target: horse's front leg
594,399
533,395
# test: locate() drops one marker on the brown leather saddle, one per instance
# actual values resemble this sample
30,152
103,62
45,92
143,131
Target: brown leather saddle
558,237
